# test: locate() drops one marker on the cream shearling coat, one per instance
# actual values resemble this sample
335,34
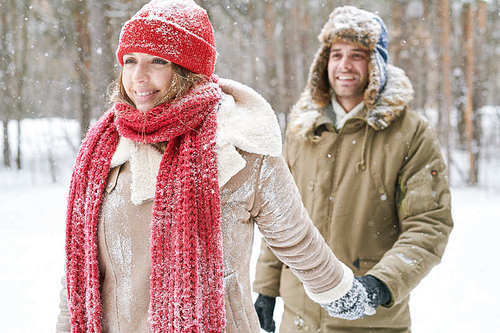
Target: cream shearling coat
255,187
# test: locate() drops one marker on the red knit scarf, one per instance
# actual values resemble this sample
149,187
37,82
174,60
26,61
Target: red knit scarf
187,293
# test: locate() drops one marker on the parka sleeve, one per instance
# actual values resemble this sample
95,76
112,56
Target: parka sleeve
63,324
424,211
291,236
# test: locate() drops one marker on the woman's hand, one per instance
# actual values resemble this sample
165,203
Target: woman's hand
353,305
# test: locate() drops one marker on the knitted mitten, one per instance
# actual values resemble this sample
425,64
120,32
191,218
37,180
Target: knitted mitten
353,305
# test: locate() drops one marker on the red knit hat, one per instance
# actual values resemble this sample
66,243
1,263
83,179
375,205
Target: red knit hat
176,30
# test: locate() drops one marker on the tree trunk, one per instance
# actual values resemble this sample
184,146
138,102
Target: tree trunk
460,84
493,59
19,137
303,60
253,35
425,44
396,41
270,51
6,145
288,45
21,65
5,60
469,103
446,77
101,54
480,82
82,41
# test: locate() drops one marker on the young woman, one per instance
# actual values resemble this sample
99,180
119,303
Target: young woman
166,189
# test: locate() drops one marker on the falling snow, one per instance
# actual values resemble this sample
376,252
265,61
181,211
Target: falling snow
36,235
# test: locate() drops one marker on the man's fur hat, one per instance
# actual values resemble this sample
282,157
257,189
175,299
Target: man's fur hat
389,90
356,26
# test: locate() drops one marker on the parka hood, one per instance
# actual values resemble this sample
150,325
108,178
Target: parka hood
359,27
393,100
389,90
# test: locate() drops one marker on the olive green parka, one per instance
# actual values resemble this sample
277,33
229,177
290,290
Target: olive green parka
377,191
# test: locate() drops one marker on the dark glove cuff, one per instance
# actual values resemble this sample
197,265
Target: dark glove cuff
384,292
266,301
378,293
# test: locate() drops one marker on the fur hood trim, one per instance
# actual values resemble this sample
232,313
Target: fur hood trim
353,24
393,100
245,121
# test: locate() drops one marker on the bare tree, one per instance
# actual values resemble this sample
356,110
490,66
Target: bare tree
266,44
20,18
5,77
446,75
398,7
469,79
80,16
480,81
72,19
101,53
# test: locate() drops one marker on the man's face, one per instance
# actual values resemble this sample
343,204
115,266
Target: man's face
348,72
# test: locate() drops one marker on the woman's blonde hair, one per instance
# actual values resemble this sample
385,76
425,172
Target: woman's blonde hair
182,80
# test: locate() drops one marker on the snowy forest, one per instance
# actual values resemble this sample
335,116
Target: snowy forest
57,64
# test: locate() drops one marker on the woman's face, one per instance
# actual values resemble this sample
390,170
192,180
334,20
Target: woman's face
146,79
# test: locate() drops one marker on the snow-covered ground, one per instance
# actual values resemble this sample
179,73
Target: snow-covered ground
459,295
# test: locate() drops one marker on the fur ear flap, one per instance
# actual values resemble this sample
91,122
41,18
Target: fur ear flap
318,83
303,116
394,99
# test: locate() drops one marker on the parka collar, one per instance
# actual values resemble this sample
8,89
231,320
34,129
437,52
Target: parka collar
394,99
245,121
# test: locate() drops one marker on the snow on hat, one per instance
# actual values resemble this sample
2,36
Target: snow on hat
360,27
176,30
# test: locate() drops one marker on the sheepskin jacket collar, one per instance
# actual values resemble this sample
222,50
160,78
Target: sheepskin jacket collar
393,101
245,121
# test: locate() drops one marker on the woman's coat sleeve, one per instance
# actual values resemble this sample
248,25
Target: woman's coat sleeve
289,233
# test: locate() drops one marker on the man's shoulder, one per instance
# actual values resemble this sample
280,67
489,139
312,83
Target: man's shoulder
412,122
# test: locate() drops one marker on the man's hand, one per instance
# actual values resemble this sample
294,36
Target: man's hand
353,305
264,305
377,291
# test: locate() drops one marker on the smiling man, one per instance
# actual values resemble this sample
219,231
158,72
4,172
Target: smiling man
371,176
348,73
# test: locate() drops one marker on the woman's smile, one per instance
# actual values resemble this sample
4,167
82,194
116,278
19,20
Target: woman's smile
146,79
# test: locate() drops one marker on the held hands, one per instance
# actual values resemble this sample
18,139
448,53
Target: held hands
366,294
264,306
353,305
378,293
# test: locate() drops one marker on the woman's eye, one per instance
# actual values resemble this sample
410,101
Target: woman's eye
129,61
160,61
